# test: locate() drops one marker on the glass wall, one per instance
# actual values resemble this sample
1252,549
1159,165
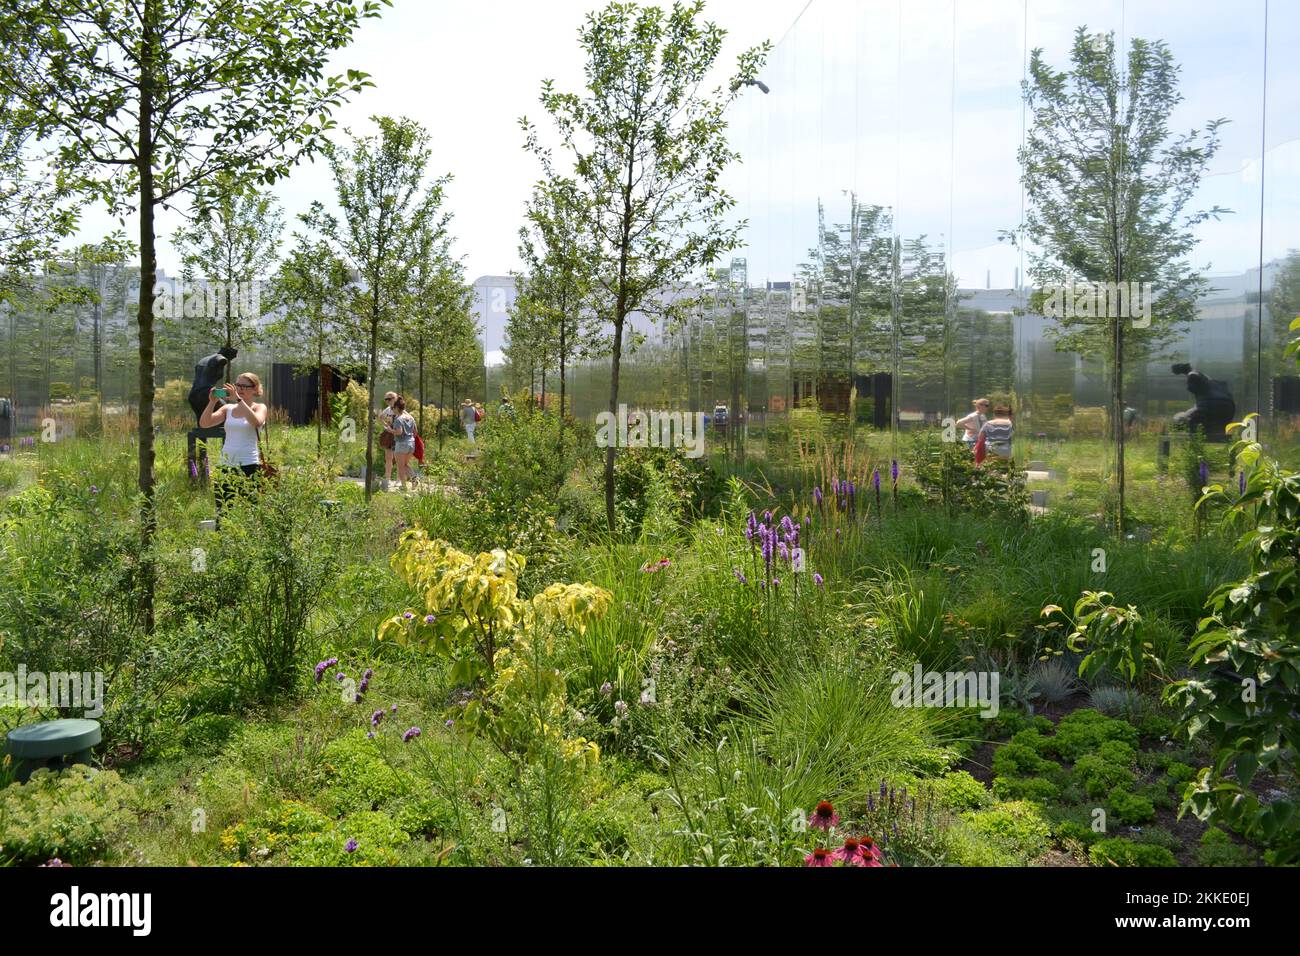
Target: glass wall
887,279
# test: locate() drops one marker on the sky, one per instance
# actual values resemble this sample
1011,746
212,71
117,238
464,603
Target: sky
468,71
910,104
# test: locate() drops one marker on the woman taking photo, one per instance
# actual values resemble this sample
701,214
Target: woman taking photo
243,419
402,428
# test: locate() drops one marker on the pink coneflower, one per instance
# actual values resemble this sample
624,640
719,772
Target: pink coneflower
819,857
824,816
851,853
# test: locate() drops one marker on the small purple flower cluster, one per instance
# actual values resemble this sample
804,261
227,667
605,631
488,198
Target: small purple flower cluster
350,846
410,735
325,665
775,541
844,494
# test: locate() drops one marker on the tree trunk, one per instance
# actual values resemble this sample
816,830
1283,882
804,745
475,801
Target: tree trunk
320,393
613,410
422,384
1117,413
442,407
563,324
374,374
148,273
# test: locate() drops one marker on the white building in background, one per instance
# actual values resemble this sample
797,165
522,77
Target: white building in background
493,298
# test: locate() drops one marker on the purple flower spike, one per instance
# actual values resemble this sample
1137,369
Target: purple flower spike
740,576
393,709
818,580
376,717
368,674
893,469
410,735
875,478
339,676
356,699
350,846
817,496
767,517
1205,473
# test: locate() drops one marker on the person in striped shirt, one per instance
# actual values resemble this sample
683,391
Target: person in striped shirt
997,432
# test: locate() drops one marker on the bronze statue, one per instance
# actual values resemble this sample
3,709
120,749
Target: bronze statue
1215,408
209,372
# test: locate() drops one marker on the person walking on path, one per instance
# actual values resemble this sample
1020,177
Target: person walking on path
386,416
402,428
469,418
243,418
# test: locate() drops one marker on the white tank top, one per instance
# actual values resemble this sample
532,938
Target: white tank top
240,446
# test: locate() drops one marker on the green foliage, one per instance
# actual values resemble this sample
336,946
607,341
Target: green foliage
1118,851
689,484
1218,849
294,834
1113,635
948,475
1035,789
1019,759
284,557
1086,730
1127,807
1076,831
1016,827
1100,773
1244,697
357,777
960,791
74,814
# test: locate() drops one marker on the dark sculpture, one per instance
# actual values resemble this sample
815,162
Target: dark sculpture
209,372
1215,407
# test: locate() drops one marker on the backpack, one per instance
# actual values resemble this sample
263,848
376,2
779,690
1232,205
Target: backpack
478,414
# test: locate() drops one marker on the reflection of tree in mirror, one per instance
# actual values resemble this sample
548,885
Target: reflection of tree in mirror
1108,185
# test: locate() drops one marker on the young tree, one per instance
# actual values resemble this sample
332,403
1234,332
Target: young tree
36,211
309,288
647,152
455,353
232,242
439,299
387,209
556,285
153,99
1108,185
